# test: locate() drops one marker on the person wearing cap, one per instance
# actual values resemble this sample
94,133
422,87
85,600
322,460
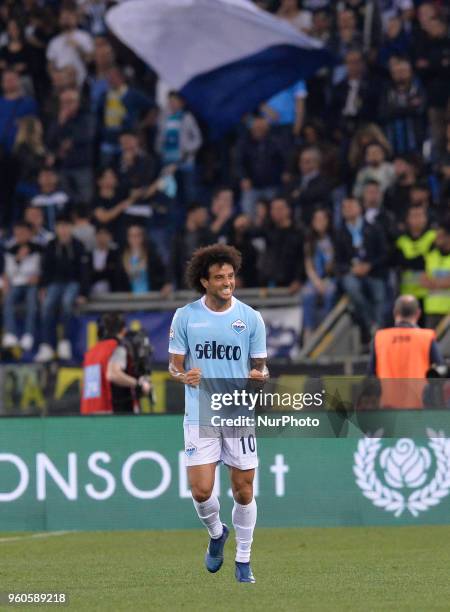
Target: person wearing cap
64,284
402,355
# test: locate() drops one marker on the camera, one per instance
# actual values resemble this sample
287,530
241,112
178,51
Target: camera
140,352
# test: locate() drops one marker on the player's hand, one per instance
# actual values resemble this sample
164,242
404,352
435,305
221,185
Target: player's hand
193,377
257,375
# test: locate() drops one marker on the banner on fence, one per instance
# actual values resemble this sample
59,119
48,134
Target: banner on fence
128,473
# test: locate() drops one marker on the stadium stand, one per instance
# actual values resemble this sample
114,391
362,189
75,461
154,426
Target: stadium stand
336,187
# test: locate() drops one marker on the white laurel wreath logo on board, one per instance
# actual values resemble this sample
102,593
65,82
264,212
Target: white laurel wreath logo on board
403,466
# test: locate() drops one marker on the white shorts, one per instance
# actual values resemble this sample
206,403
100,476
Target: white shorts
239,451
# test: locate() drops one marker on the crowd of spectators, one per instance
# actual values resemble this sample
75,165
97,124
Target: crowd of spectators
338,185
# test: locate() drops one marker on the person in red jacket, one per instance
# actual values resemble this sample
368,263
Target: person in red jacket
109,385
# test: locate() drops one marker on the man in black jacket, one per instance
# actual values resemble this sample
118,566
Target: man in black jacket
361,266
64,283
105,263
313,188
260,163
195,234
354,99
70,139
283,259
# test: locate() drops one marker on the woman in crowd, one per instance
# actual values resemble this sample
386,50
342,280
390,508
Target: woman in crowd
320,289
29,156
15,54
143,269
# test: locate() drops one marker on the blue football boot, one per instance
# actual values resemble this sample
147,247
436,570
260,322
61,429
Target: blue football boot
214,552
244,572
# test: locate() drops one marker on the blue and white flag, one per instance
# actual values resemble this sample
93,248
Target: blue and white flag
224,56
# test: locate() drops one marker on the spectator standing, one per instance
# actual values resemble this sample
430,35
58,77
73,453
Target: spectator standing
105,263
361,267
397,195
223,212
178,142
319,291
402,109
51,199
38,33
354,100
412,246
436,278
432,62
72,47
396,41
64,283
29,155
136,168
120,109
241,238
98,81
285,112
13,105
70,139
313,189
347,37
194,235
61,79
260,162
22,268
16,54
283,258
110,203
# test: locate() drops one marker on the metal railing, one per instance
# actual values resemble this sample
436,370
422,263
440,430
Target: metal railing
128,302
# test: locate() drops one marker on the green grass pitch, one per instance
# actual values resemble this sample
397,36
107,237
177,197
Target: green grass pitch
361,569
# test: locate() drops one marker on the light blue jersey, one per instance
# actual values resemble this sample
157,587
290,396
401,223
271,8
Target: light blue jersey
219,343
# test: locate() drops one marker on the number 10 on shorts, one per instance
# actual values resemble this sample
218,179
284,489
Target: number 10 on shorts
248,444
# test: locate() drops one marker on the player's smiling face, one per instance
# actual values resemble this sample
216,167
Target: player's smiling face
221,282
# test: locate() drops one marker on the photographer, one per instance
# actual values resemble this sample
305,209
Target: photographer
116,370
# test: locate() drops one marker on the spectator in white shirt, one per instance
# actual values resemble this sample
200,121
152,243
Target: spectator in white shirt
22,268
72,47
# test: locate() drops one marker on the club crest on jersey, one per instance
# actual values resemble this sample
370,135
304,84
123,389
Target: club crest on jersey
190,449
239,326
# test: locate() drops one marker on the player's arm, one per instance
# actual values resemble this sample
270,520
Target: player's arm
176,370
116,374
258,368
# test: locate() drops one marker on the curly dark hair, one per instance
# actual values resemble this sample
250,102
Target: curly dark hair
205,257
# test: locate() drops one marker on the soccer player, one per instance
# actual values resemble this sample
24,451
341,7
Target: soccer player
239,335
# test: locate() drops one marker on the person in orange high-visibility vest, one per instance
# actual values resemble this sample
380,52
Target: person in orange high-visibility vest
402,355
109,383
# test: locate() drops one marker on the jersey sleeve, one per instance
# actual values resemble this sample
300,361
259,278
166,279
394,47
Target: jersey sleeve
258,338
178,343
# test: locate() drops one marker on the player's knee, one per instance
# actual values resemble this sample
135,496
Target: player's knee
201,494
243,494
